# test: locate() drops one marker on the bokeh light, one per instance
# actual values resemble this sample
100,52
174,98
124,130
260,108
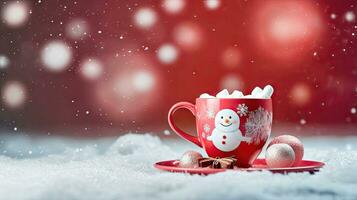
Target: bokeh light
300,94
4,62
284,29
333,16
91,69
173,6
231,57
188,36
303,121
231,82
13,94
145,18
143,81
353,110
15,13
212,4
167,53
350,16
56,56
132,85
77,29
113,58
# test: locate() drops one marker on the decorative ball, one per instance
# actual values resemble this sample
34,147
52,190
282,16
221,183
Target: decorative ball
294,143
280,155
190,159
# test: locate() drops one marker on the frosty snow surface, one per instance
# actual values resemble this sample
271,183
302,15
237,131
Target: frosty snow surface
123,169
257,93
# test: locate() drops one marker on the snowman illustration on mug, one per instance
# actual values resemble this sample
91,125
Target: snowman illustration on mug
226,135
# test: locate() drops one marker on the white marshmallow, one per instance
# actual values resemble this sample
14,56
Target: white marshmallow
267,92
256,91
249,96
205,95
223,94
236,94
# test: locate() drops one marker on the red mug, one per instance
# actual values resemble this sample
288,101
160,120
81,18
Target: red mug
228,127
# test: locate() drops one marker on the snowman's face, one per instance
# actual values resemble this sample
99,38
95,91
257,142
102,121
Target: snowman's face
227,120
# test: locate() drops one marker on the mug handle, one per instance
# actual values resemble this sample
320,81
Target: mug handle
177,130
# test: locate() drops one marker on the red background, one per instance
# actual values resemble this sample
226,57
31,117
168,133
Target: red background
309,52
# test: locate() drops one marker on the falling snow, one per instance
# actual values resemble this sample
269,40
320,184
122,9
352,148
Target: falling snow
167,47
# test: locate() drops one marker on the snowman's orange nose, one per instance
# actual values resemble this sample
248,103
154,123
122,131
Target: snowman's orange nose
226,121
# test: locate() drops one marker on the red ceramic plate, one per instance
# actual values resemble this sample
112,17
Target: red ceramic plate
258,165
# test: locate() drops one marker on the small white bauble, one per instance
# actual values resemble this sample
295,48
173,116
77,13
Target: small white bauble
294,143
279,156
190,159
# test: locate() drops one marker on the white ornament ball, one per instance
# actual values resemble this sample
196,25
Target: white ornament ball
294,143
280,156
190,159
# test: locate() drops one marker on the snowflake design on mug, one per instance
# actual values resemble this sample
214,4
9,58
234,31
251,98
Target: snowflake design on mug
242,109
210,114
258,124
206,128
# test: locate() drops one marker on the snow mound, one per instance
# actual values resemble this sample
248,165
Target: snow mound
122,169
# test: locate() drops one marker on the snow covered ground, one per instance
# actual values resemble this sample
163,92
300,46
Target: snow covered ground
121,168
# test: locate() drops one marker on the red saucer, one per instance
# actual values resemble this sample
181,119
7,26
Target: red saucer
258,165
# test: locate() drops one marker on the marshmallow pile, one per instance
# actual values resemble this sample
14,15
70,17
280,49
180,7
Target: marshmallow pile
257,93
